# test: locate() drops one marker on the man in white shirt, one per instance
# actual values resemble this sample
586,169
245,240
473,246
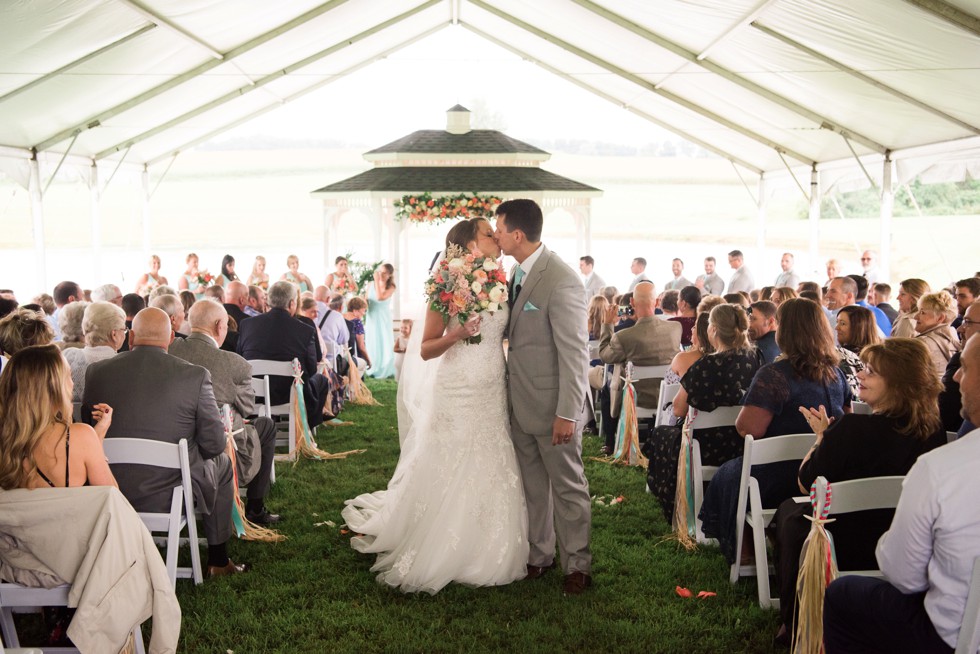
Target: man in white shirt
331,323
593,283
788,277
679,281
742,280
638,268
926,556
869,261
710,282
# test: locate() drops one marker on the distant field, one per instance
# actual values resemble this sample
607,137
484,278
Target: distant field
246,203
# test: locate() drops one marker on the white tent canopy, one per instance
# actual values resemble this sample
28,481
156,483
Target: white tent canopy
772,85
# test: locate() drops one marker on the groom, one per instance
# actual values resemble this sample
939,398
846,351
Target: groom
547,370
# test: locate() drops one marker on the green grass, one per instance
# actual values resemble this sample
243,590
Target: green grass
313,593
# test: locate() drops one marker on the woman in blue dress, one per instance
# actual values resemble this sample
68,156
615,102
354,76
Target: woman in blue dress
378,328
295,276
227,275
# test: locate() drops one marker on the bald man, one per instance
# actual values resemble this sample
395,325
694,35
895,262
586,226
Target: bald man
236,299
159,397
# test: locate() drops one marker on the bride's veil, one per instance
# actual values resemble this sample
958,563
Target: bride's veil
416,383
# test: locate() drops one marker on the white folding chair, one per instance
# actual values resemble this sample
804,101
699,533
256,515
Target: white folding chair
640,373
865,494
723,416
665,402
968,642
860,408
141,451
792,447
264,369
263,406
950,436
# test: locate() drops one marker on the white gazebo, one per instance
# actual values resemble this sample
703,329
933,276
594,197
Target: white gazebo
448,162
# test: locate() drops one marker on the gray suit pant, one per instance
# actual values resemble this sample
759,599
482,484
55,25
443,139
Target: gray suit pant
217,524
557,496
258,486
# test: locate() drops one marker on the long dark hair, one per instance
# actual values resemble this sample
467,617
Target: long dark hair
803,335
227,259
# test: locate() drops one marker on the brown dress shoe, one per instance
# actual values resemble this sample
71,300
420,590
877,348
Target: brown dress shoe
576,583
231,568
535,571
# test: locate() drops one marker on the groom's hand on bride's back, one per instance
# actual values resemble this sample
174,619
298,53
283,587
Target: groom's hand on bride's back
562,431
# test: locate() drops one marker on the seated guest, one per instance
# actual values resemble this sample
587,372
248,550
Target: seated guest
174,308
597,309
926,555
8,306
882,295
715,380
782,293
949,398
41,446
709,302
356,308
737,298
231,379
187,299
861,299
700,346
333,327
610,293
278,336
162,398
46,302
764,293
104,327
20,329
762,330
65,293
967,290
131,305
688,299
215,293
897,382
256,301
307,314
161,290
626,315
668,303
932,327
650,342
806,374
236,299
108,293
909,292
855,330
625,319
70,325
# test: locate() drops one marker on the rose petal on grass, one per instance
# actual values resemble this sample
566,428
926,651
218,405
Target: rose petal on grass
706,593
683,592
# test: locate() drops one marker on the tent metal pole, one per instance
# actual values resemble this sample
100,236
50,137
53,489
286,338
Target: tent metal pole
95,202
796,181
887,208
761,207
931,232
37,217
165,171
60,162
748,190
116,169
814,216
949,13
145,180
860,164
171,27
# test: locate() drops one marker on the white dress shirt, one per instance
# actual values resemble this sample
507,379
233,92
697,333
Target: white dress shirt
935,535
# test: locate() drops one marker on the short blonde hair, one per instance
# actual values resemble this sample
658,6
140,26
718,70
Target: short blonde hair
98,321
941,303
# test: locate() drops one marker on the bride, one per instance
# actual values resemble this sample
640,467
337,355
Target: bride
454,509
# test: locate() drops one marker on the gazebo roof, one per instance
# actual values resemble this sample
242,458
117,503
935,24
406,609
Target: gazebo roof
451,179
437,141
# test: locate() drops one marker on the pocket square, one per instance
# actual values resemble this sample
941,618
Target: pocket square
530,307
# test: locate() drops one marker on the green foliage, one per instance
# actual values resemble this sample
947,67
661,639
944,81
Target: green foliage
361,271
945,199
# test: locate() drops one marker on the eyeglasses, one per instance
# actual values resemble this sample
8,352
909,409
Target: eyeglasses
865,258
967,321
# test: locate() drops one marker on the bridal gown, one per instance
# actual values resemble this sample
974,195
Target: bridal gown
454,509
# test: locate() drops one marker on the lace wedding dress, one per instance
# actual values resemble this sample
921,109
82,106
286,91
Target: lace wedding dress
454,509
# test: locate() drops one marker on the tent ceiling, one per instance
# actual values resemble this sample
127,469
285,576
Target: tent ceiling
765,83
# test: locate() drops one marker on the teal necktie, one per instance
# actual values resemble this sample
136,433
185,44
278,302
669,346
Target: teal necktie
518,276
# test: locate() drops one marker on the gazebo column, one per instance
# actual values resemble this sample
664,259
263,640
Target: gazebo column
394,251
583,228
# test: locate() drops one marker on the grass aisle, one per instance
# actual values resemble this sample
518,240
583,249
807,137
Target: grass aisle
313,593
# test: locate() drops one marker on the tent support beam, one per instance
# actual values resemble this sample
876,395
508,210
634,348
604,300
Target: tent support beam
742,22
639,81
165,171
37,218
171,27
860,164
301,93
866,79
700,61
814,216
616,101
796,181
60,162
887,209
98,119
95,208
949,13
237,93
116,169
92,55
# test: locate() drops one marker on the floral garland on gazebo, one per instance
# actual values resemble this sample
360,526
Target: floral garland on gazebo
423,208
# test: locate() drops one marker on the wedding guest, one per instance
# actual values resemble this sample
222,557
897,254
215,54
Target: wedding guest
782,293
668,304
108,293
356,308
714,380
967,290
256,301
294,276
898,384
46,301
70,325
227,271
41,446
593,283
625,318
333,327
306,314
64,294
378,323
762,330
150,280
855,330
932,327
401,343
682,361
190,280
104,329
161,290
709,302
598,306
131,305
909,292
764,293
834,269
8,306
638,269
23,328
341,280
861,299
806,374
187,299
258,276
236,299
883,293
788,277
174,308
949,399
710,282
688,299
869,261
216,293
737,298
610,293
742,279
678,281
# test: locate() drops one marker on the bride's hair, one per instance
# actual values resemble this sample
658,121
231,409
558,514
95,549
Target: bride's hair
463,233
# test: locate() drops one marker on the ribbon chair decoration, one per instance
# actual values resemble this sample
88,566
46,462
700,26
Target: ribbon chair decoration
684,518
358,391
627,450
818,567
305,444
245,529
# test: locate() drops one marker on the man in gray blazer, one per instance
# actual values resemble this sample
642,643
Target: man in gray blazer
231,377
162,398
547,371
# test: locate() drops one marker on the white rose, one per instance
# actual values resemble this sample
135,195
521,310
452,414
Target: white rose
493,306
489,264
484,303
497,293
476,287
455,265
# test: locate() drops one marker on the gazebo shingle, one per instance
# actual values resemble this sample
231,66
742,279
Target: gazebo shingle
437,141
477,179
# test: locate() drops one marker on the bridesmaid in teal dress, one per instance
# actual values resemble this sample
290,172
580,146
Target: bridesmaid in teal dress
295,276
189,280
377,323
227,271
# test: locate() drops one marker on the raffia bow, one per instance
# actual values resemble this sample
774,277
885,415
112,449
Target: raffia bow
245,529
818,567
684,518
305,444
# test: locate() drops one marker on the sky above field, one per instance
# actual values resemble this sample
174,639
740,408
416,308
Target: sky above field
413,88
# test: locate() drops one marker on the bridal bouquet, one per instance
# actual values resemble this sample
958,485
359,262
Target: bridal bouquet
204,278
464,284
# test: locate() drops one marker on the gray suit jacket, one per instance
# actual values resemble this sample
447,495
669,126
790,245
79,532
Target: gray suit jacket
548,361
231,378
162,398
650,342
